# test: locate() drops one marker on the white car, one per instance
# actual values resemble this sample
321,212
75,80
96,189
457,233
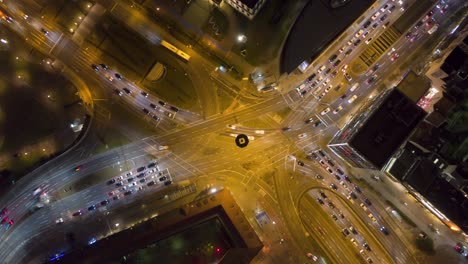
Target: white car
59,221
325,111
338,109
348,77
231,126
375,16
303,135
359,33
351,100
342,49
321,68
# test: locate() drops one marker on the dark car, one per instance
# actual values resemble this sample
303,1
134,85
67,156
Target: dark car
175,109
126,90
366,246
337,177
311,77
77,213
119,184
357,189
103,66
339,171
323,195
309,120
161,103
152,164
318,176
347,178
333,186
111,181
418,25
167,183
130,179
353,195
92,208
300,163
367,201
127,193
357,42
145,111
45,32
318,123
151,183
163,178
332,58
334,217
337,88
343,96
348,52
145,94
332,205
384,231
141,169
321,153
382,18
94,67
141,175
336,63
118,76
156,118
118,92
105,202
153,106
142,180
367,24
331,162
115,198
345,232
320,201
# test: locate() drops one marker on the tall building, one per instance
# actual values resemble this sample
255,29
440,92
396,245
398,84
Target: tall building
248,8
370,138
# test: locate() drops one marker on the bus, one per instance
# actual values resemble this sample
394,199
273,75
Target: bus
184,56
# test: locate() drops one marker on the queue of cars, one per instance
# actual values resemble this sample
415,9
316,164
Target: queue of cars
128,91
129,183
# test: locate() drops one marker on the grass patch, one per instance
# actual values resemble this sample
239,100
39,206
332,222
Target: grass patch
136,57
426,245
267,31
216,25
404,216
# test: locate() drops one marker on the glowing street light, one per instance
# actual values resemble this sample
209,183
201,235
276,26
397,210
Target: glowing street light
241,38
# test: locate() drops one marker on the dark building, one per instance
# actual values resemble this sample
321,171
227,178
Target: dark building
248,8
318,25
373,135
440,187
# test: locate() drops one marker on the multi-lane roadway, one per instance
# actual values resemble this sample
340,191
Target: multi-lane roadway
200,148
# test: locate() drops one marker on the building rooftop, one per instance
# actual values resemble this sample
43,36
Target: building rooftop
221,205
316,27
414,86
249,3
387,128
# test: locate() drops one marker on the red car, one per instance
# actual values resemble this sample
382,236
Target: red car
78,168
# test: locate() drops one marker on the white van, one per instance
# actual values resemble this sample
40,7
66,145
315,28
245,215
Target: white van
354,87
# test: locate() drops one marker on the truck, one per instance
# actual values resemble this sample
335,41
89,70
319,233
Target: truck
433,29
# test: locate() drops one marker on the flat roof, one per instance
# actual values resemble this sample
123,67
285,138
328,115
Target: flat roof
315,28
450,201
386,128
414,86
249,3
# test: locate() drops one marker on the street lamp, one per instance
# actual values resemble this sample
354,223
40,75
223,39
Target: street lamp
241,38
